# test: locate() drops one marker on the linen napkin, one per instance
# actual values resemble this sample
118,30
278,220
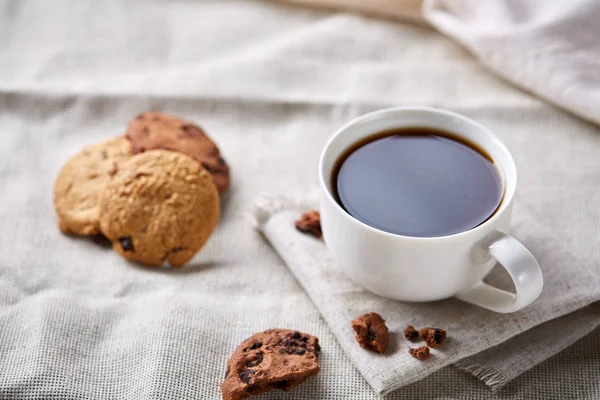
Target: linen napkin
493,347
549,48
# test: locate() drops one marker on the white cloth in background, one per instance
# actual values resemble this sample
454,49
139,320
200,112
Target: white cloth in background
549,48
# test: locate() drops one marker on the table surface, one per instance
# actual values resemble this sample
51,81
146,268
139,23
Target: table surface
270,83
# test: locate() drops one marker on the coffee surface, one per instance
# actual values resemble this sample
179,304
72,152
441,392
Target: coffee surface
417,182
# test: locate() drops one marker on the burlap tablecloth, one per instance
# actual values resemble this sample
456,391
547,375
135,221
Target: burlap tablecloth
270,83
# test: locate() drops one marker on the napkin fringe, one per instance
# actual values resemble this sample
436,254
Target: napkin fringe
491,377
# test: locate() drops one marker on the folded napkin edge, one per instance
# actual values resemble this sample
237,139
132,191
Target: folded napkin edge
268,204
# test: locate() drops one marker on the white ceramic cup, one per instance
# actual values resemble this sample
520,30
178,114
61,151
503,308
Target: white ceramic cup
429,268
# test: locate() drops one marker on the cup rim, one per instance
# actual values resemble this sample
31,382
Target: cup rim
479,228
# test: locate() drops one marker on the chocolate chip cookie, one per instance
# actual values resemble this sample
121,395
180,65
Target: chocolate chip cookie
274,359
80,182
371,332
154,130
161,206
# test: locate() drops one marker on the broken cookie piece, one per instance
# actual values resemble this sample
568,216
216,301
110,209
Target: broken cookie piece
274,359
371,332
420,353
411,333
310,222
434,337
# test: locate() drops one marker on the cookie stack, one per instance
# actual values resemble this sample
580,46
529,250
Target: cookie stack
154,192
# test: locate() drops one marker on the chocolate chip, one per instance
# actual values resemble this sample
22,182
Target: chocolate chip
256,345
142,149
434,337
300,352
372,334
222,161
126,243
254,359
279,384
296,335
304,338
177,249
302,344
293,343
191,130
227,372
245,376
411,333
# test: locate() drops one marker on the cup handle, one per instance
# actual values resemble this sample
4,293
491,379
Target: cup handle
520,265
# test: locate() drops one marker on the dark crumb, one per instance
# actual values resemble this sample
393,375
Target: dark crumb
371,332
420,353
191,130
310,222
126,243
411,333
113,169
434,337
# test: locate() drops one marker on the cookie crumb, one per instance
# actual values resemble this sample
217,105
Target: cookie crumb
434,337
420,353
310,222
411,333
371,332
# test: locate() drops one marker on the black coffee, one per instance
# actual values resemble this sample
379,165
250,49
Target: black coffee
417,182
